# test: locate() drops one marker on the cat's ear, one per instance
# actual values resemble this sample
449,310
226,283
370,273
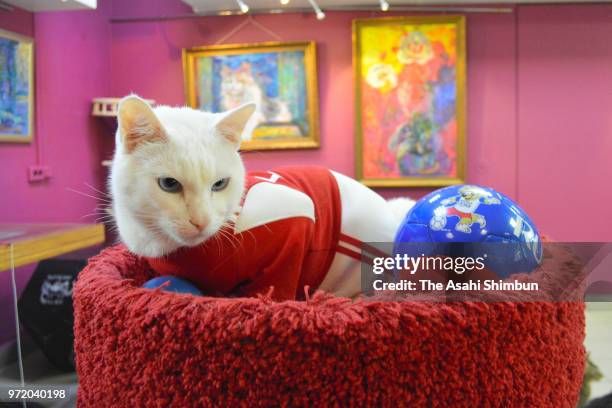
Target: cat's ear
233,122
138,123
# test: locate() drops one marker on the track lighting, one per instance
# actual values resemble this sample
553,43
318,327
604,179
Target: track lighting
384,6
319,13
243,6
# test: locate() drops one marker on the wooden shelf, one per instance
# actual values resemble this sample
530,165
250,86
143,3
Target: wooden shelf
107,107
35,242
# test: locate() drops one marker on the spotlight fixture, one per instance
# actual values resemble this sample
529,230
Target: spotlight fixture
284,2
319,13
384,6
243,6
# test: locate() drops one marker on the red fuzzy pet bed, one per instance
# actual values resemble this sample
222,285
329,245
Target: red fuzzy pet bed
136,347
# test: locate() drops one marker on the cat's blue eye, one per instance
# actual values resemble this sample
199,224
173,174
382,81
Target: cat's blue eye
169,184
220,184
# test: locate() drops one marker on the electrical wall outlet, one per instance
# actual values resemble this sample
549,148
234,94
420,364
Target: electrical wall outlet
37,173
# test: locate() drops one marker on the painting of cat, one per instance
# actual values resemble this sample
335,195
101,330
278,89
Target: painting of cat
279,77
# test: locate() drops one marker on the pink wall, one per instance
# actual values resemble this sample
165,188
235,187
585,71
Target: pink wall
72,65
565,119
13,156
22,22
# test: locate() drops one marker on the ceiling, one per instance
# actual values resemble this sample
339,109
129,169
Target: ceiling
216,6
51,5
220,6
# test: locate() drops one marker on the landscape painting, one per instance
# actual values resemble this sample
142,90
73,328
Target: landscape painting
279,77
16,88
410,100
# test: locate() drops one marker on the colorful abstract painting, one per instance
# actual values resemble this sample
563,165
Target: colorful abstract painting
410,89
279,77
16,90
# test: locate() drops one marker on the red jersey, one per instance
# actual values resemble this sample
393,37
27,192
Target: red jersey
285,236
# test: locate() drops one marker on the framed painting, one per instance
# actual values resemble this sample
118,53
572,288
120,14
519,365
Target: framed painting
16,87
280,77
410,100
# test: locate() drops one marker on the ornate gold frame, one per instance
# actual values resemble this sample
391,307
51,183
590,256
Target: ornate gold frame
460,109
10,138
310,61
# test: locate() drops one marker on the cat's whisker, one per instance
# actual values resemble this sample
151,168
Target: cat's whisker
147,217
228,227
231,240
155,230
105,218
101,212
238,238
149,223
104,193
217,241
220,235
241,236
89,195
99,217
228,237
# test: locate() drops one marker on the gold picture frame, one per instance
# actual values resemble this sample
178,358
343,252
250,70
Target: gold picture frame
281,76
401,139
17,109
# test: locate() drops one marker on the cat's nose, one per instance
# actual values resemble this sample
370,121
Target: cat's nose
199,224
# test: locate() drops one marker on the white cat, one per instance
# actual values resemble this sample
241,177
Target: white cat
238,87
178,181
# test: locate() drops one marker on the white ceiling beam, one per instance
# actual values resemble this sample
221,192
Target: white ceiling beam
53,5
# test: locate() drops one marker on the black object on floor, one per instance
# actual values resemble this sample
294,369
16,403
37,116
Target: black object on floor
45,309
601,402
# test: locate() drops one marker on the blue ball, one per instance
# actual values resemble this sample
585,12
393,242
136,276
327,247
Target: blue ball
489,221
176,285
